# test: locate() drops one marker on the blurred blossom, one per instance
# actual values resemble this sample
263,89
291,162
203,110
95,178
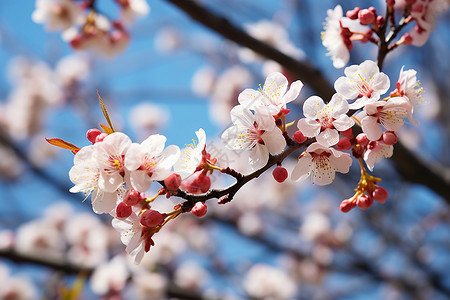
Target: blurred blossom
110,277
40,152
190,275
203,81
266,282
148,119
72,69
322,255
250,223
225,93
131,9
272,34
170,244
87,237
40,239
314,226
15,288
6,241
168,39
11,168
56,14
149,285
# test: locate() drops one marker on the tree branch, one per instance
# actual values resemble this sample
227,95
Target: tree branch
411,167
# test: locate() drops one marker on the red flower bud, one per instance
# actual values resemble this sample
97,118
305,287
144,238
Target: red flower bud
380,194
101,137
362,139
353,14
366,16
348,133
199,209
347,205
280,174
133,197
92,134
123,211
173,182
389,138
364,201
299,137
152,218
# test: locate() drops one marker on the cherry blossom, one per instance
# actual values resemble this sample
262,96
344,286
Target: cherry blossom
56,14
364,81
149,161
133,8
136,237
425,12
256,133
110,276
376,150
336,37
409,87
191,156
322,163
323,121
273,96
85,175
390,114
110,156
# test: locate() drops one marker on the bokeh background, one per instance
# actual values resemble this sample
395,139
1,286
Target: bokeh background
273,241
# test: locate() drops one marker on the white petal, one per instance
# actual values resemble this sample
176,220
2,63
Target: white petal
302,169
109,182
154,144
343,123
274,140
328,137
259,157
103,202
323,172
293,92
134,157
312,106
339,105
140,180
308,127
371,128
275,86
248,98
343,87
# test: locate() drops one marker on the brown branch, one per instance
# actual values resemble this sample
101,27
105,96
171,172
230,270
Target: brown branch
300,69
408,164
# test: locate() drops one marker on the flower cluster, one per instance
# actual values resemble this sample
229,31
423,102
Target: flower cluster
84,27
366,25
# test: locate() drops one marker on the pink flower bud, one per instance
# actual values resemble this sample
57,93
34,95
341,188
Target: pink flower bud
353,14
389,138
406,39
173,182
280,174
362,139
347,205
380,194
92,134
199,209
380,21
348,133
366,16
152,218
133,197
100,137
299,137
364,201
123,211
373,145
344,144
198,183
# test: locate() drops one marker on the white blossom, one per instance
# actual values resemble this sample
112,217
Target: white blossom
191,156
321,163
324,121
364,81
375,152
56,14
424,13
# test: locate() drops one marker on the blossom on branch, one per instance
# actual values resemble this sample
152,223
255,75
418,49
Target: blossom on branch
56,14
364,82
256,133
324,121
424,13
273,96
191,156
321,163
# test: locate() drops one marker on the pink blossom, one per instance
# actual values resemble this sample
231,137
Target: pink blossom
256,133
322,162
425,12
375,152
149,161
323,121
273,96
364,82
389,114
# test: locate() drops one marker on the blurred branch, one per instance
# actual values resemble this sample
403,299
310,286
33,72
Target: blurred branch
172,290
409,165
